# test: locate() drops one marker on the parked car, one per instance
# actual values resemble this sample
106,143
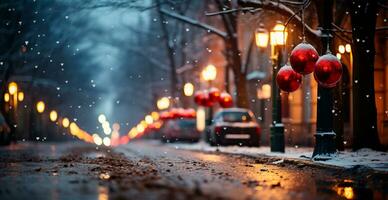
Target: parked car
180,130
234,126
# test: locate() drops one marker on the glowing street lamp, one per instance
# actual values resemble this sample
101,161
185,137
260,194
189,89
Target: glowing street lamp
65,122
155,116
338,55
106,141
6,97
101,118
12,88
53,116
348,48
188,89
97,139
40,106
278,35
163,103
148,119
209,73
21,96
261,37
341,48
264,92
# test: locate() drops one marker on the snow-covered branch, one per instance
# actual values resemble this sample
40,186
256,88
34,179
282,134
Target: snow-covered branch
282,10
195,23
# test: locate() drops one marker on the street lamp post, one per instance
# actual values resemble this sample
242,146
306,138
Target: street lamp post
40,107
209,74
188,91
277,37
343,50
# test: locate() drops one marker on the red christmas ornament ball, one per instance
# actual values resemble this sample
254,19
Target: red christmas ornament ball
303,58
198,97
328,71
206,101
288,80
214,94
226,100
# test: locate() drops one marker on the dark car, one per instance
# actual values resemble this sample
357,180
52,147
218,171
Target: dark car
180,130
234,126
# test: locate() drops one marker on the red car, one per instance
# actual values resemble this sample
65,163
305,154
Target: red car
234,126
183,130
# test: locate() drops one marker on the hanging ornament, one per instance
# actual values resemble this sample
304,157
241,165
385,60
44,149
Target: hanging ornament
303,58
206,101
225,100
198,97
288,80
214,94
328,71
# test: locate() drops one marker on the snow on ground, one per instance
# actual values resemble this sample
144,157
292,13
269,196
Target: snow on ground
364,157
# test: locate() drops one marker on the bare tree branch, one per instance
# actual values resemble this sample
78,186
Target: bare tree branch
195,23
282,10
249,9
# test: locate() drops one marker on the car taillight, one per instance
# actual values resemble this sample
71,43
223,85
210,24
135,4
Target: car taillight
217,129
258,130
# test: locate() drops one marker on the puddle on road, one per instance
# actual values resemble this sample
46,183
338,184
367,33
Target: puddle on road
348,189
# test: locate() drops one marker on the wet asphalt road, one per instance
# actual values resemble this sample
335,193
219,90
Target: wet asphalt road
150,170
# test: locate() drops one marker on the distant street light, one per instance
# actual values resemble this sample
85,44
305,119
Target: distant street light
40,106
261,37
188,89
65,122
209,73
12,88
106,141
21,96
341,48
101,118
53,116
339,56
6,97
348,48
264,92
97,139
148,119
155,116
163,103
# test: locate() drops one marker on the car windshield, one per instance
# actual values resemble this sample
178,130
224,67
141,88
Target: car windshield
186,123
236,117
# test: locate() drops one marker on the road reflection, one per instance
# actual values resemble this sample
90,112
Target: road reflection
346,192
210,157
348,189
103,193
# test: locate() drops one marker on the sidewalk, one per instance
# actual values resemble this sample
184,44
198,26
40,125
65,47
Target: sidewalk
345,159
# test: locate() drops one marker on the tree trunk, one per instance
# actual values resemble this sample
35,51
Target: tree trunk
170,52
233,53
240,80
363,19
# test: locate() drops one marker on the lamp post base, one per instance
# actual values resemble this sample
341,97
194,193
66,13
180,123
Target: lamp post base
277,138
325,146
